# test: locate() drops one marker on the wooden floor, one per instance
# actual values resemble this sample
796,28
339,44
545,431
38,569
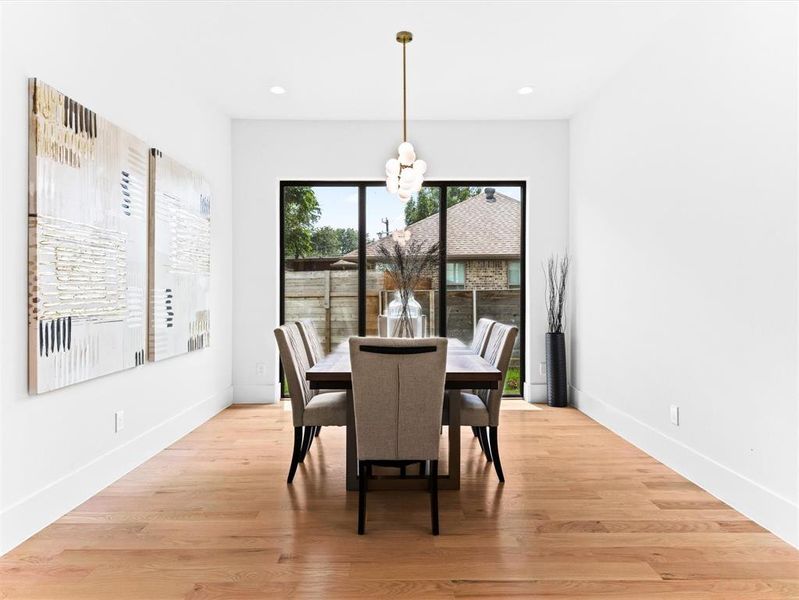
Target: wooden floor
583,514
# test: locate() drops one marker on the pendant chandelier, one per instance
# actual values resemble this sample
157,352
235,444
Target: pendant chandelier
405,174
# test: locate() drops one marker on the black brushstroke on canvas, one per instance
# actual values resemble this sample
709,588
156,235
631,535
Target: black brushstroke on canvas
169,310
197,342
55,336
125,183
138,358
79,119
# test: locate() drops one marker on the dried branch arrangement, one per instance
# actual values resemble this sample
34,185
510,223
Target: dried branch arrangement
556,271
406,262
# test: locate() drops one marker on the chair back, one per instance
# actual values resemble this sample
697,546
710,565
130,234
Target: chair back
311,341
294,358
498,352
398,396
481,333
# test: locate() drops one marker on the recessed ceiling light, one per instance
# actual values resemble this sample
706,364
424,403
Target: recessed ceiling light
523,91
276,89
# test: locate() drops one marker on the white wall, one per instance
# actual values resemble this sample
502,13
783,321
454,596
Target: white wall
266,152
60,448
684,235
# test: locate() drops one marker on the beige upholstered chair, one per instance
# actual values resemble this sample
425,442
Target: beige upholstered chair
481,334
308,411
313,348
478,346
398,395
311,340
481,410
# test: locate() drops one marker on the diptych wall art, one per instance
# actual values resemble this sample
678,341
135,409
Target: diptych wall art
87,244
180,258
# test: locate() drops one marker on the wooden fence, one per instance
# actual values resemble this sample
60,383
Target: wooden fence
330,299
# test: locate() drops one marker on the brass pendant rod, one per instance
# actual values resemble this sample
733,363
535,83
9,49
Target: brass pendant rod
403,37
404,98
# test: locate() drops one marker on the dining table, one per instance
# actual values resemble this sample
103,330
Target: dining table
466,370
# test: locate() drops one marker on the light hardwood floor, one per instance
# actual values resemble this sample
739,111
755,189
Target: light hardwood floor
583,514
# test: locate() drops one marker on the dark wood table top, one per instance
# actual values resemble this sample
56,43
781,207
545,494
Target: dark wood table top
465,370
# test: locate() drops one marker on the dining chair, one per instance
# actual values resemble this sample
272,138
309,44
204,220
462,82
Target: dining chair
398,396
311,340
313,348
481,333
478,346
309,411
480,409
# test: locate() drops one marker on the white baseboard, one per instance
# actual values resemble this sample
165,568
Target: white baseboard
256,394
770,510
535,392
23,519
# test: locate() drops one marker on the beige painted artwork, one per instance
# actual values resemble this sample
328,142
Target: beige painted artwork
87,243
180,258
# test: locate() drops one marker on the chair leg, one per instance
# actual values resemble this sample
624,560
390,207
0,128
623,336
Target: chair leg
423,468
306,442
485,444
434,495
362,479
403,471
479,439
318,430
492,434
295,456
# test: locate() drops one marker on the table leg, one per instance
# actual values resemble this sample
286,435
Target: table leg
352,446
454,478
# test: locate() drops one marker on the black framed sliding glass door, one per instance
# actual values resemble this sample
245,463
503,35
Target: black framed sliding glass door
319,266
332,270
484,264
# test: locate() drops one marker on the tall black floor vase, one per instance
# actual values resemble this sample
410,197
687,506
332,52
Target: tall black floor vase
556,370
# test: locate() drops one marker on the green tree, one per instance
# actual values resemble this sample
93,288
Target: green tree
325,241
426,202
347,239
300,212
456,195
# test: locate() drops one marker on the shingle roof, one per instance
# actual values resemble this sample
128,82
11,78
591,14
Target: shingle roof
476,228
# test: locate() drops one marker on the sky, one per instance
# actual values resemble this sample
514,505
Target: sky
340,207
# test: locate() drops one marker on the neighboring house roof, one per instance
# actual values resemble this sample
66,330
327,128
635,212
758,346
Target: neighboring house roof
477,228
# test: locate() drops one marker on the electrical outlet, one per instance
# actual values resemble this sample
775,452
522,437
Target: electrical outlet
542,368
674,412
119,421
260,369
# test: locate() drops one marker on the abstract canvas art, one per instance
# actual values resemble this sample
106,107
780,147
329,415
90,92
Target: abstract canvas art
180,258
87,243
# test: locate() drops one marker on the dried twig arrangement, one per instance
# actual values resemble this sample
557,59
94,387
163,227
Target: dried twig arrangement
406,263
556,271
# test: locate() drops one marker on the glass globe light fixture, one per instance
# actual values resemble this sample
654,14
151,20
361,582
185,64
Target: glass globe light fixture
405,174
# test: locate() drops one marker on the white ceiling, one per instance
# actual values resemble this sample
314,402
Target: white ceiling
339,60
